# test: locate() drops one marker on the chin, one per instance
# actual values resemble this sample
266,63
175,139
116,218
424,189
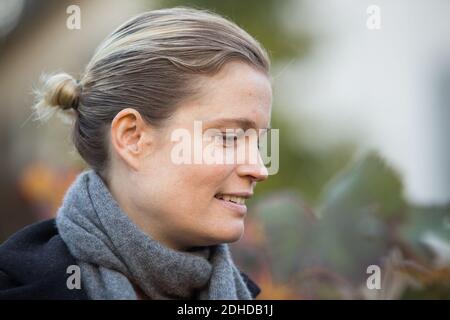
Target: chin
227,233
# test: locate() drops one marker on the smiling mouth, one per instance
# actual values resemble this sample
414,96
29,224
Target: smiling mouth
233,199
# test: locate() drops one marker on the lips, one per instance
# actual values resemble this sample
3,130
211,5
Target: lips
235,201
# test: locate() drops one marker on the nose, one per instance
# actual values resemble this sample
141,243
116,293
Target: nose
257,172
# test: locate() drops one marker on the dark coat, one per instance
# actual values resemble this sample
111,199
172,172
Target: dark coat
34,261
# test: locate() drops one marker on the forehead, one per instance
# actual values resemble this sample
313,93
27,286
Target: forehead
237,91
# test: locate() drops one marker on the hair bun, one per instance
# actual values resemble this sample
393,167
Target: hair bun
58,91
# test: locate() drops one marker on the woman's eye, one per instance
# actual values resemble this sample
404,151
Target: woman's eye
229,140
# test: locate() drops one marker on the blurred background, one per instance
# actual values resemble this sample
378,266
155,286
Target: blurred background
362,102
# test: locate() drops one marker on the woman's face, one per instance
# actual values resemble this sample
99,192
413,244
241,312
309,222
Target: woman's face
179,204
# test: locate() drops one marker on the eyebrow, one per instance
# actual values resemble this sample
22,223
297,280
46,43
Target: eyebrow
243,123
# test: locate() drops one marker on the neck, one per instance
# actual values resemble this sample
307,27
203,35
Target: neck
143,220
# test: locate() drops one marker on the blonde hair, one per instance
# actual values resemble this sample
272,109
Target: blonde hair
149,63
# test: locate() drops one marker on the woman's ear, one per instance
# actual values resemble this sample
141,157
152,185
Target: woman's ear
130,137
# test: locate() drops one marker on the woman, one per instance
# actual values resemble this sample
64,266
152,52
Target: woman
138,224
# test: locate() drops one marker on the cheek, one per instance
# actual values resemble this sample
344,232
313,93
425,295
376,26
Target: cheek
186,195
190,187
202,182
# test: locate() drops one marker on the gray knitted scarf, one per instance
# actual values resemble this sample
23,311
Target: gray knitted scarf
113,254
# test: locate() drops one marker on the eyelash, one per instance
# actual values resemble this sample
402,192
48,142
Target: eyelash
234,137
225,140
